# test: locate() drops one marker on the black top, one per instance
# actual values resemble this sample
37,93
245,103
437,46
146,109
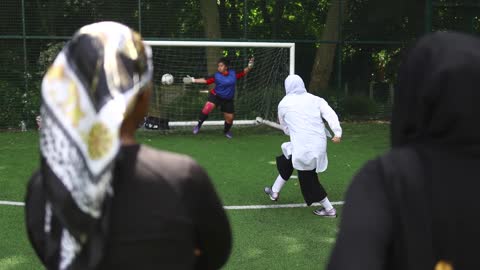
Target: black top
416,205
410,209
164,207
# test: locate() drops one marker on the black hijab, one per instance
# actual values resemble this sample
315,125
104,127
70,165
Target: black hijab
431,171
436,101
419,195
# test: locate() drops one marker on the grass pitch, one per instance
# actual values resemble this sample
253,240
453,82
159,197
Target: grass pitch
290,238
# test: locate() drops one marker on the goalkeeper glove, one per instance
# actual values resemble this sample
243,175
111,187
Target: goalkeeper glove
251,62
188,80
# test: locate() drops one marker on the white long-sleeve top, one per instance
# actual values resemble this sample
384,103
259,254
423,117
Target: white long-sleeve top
300,115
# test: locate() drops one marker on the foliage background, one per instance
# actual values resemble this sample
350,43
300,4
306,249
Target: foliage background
344,47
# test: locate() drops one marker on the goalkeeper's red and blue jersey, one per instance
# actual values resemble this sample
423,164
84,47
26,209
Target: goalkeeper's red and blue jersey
225,83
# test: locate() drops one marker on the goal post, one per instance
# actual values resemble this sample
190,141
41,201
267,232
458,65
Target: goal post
257,94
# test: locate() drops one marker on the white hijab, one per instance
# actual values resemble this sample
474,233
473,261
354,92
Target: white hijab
294,85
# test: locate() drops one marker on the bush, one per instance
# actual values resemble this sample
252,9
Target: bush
11,104
336,100
47,56
359,106
18,105
31,105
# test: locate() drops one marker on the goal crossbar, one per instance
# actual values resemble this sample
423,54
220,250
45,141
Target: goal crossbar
240,44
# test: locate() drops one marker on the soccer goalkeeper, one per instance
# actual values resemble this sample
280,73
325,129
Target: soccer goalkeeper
222,95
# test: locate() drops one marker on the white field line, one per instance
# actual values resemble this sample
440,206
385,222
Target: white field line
232,207
12,203
274,206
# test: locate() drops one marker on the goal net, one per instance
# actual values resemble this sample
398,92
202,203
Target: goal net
257,94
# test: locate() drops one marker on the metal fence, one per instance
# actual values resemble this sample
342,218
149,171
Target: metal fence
366,39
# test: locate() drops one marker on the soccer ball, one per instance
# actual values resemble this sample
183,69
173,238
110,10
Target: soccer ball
167,79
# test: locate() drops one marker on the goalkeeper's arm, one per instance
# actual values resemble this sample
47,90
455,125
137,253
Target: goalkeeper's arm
189,80
251,61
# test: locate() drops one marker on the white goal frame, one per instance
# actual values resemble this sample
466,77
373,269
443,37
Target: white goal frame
173,43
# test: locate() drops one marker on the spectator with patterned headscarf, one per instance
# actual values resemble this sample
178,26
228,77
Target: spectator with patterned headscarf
101,200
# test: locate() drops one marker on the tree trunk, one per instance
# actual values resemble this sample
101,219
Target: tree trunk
416,18
235,22
325,53
223,11
265,15
277,18
211,23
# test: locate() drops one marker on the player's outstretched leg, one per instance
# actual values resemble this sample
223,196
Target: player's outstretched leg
209,106
285,170
323,212
226,130
274,191
228,125
313,191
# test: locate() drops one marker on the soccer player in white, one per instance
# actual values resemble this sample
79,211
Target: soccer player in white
300,115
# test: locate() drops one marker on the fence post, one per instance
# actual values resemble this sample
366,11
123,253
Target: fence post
391,93
370,90
340,45
24,38
140,16
245,23
25,67
245,19
428,16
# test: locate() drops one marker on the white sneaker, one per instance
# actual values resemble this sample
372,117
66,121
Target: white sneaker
332,213
273,195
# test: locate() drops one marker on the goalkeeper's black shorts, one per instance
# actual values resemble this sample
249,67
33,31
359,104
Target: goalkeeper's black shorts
226,105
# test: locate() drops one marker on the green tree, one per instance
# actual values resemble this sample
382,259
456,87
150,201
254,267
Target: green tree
325,53
211,24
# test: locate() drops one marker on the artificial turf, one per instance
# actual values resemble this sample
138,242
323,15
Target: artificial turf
263,238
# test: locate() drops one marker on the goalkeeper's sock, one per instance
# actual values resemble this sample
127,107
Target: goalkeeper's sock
326,204
279,182
227,127
201,118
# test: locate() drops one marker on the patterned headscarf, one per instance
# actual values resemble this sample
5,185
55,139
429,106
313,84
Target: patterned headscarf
86,95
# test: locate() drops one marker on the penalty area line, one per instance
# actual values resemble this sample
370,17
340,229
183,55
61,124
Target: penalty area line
228,207
12,203
275,206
